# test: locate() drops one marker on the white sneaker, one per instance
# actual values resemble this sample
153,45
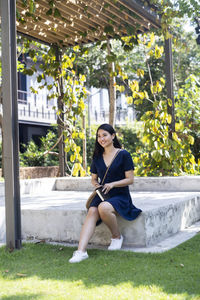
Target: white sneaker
78,256
116,244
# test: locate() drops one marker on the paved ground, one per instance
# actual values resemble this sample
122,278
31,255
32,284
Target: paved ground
73,200
144,200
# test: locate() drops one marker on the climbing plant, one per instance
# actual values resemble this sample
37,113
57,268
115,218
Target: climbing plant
161,154
58,76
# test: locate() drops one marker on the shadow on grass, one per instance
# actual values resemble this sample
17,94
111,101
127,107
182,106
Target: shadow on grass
21,296
174,272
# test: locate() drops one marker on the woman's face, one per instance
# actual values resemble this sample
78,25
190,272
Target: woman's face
104,138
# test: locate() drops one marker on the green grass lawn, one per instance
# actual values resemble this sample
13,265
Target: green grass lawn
42,271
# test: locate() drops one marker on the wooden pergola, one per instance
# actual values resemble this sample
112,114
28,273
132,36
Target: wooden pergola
63,23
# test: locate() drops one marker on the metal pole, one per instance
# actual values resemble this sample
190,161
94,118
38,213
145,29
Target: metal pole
10,124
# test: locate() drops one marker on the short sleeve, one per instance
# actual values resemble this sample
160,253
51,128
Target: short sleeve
93,168
128,162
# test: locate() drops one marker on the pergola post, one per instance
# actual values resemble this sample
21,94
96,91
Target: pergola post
10,124
170,81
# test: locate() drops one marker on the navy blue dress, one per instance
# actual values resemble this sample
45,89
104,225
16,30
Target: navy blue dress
120,197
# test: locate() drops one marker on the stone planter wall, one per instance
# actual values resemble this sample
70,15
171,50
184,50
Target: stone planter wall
37,172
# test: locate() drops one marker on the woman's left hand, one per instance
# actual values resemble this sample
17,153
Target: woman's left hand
107,187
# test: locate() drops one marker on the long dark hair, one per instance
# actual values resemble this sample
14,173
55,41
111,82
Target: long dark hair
98,149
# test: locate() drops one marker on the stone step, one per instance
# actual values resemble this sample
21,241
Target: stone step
59,216
54,209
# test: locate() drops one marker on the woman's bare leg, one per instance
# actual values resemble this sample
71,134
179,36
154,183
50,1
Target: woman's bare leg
88,228
108,216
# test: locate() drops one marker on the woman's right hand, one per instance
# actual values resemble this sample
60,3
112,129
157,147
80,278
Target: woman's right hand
97,185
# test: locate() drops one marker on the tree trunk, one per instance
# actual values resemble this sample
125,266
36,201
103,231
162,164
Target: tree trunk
84,145
60,122
61,142
169,84
111,90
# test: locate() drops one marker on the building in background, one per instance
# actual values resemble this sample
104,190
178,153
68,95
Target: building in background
98,108
36,114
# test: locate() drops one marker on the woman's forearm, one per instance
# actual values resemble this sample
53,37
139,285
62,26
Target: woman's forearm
123,182
95,182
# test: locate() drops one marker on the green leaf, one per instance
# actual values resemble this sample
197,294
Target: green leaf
104,46
156,154
111,58
49,12
32,7
51,3
130,30
83,33
57,13
108,29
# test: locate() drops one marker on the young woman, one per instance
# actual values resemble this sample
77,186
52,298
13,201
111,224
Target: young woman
119,176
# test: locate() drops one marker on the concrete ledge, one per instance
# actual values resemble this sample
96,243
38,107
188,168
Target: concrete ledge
58,216
34,186
181,183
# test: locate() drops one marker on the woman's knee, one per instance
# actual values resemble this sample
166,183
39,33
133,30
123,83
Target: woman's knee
93,212
105,209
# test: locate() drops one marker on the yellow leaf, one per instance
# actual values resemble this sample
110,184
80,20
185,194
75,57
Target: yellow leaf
175,137
158,51
124,77
74,135
134,85
76,48
72,158
81,135
152,38
149,45
199,162
141,95
140,72
179,126
162,80
135,95
81,105
191,140
146,94
67,148
82,172
129,100
169,119
82,78
76,170
151,53
169,102
156,113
